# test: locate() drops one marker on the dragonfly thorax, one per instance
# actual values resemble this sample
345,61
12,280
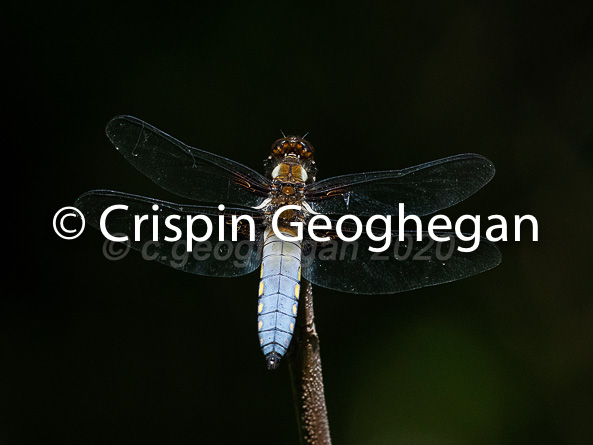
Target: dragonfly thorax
290,171
291,160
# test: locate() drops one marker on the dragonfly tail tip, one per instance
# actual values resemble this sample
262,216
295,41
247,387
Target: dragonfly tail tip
273,359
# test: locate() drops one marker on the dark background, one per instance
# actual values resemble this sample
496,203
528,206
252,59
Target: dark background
94,351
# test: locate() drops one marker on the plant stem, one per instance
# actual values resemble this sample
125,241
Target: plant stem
306,376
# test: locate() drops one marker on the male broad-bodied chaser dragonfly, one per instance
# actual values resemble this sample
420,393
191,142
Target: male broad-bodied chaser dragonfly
290,179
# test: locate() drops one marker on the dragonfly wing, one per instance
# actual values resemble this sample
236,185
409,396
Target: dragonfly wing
186,171
211,257
405,265
424,189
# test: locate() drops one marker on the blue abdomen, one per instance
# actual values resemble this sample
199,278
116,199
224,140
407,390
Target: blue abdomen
279,288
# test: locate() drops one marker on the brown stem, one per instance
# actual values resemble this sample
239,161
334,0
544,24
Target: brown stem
306,376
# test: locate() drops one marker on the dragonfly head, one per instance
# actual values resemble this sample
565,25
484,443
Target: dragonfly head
293,145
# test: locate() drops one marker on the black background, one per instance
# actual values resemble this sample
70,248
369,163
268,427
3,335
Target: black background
95,351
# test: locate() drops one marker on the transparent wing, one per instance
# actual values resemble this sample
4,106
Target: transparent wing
424,189
405,265
212,257
183,170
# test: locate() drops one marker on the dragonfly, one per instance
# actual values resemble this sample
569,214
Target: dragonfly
228,192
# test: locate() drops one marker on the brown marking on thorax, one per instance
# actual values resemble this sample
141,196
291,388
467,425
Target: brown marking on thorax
290,172
288,187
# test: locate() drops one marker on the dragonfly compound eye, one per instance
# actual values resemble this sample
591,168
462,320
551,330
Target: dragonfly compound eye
305,150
